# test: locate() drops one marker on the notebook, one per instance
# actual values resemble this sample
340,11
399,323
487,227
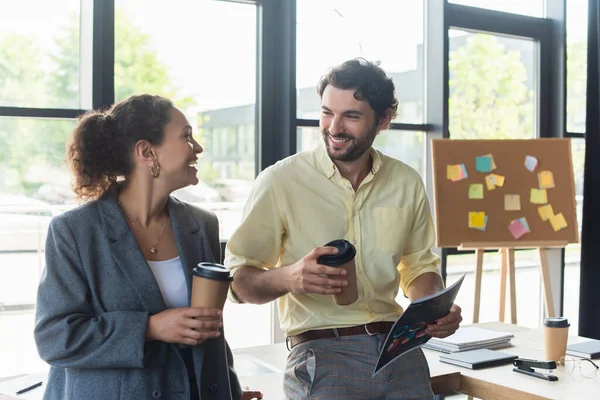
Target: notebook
470,338
589,349
477,359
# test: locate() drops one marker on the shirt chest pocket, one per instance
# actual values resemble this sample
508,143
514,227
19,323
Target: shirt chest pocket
392,226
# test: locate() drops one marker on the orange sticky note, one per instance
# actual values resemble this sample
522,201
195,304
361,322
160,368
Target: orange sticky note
512,202
558,222
476,219
539,196
545,180
546,212
453,172
499,180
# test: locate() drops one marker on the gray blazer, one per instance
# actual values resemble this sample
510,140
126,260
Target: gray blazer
94,300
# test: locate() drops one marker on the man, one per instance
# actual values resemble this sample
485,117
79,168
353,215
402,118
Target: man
342,189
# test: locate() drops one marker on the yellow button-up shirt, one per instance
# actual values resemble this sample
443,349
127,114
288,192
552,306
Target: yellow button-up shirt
303,202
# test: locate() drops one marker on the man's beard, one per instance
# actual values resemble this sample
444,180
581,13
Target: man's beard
358,146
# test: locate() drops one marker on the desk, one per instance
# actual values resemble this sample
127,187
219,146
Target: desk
496,383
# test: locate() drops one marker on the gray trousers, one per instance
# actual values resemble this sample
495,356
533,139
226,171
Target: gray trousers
341,368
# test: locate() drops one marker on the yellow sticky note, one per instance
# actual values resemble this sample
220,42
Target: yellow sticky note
539,196
453,172
546,212
546,180
476,219
499,180
476,191
490,182
558,222
512,202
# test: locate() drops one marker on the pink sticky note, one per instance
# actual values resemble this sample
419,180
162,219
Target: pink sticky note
517,229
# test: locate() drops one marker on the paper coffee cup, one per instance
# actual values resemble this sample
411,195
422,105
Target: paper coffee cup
343,259
210,284
556,334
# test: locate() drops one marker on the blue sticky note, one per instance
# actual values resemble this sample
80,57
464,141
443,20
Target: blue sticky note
523,221
483,164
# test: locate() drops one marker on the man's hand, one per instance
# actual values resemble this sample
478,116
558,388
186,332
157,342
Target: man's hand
307,276
446,326
189,325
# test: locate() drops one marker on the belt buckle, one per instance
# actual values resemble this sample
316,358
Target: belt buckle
366,326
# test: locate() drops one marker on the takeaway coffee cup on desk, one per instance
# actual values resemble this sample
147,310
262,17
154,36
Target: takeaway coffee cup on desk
556,332
344,258
210,284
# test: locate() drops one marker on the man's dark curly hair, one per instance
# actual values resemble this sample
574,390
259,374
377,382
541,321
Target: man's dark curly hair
369,81
102,142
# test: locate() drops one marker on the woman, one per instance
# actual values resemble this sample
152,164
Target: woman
112,313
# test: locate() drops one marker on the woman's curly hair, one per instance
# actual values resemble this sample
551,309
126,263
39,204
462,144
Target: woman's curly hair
369,81
102,142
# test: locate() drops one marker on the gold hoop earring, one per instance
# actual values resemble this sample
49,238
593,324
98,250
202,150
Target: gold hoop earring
155,171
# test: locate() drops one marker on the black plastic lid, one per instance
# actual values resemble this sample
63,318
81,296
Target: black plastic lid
556,322
212,271
346,252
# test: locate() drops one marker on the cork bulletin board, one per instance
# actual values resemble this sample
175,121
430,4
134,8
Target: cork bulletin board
514,192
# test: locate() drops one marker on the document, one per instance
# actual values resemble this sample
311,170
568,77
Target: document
408,331
477,359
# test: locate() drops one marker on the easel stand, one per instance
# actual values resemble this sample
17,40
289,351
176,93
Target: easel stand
508,269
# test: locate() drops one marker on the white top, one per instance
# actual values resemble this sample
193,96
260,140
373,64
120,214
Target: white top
171,282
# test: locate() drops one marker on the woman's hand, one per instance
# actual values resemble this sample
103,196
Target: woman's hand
190,325
251,394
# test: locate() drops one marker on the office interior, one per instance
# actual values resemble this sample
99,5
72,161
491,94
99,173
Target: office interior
246,71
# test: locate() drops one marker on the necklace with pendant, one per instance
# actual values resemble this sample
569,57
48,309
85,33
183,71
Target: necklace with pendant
153,249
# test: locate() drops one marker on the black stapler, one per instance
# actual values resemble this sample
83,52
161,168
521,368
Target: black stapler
526,367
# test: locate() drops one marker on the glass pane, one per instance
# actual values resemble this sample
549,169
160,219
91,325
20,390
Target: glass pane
577,15
186,53
533,8
39,54
407,146
492,84
34,186
330,32
573,251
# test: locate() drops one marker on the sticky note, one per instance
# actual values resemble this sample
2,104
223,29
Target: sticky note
476,191
539,196
546,180
499,180
490,182
517,229
512,202
453,172
484,224
558,222
545,212
531,163
524,222
483,164
476,219
492,159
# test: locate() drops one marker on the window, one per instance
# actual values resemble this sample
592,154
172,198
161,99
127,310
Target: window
533,8
576,64
573,250
202,55
492,85
39,54
34,186
330,32
406,146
